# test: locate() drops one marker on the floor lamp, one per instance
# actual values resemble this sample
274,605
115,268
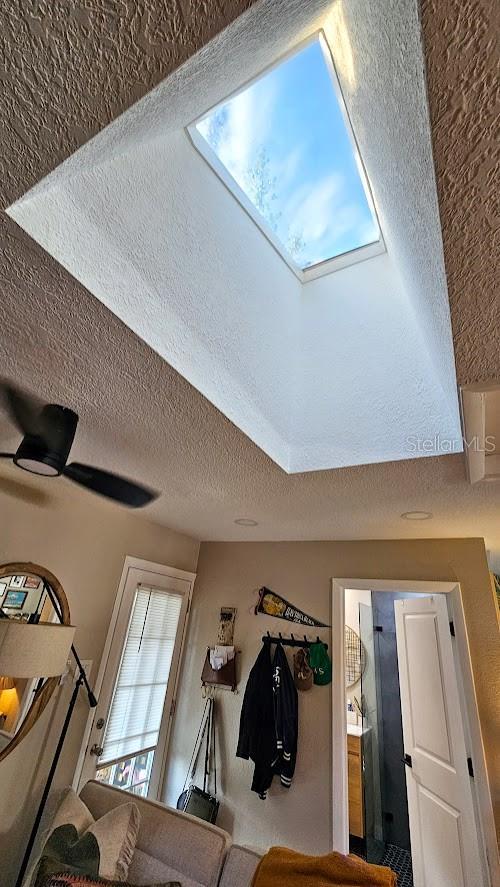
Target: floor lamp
28,651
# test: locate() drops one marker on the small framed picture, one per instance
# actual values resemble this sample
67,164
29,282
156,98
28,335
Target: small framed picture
31,582
16,581
3,588
14,600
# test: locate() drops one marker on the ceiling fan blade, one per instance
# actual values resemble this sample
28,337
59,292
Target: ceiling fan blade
23,409
113,486
23,492
7,455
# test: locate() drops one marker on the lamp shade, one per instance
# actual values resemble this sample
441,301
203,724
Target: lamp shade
31,651
6,683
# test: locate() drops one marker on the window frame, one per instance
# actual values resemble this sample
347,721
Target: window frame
142,587
135,570
320,269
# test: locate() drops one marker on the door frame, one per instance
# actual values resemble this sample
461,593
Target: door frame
470,715
134,563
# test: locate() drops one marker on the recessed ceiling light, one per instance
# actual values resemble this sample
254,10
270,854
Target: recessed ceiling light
246,522
416,515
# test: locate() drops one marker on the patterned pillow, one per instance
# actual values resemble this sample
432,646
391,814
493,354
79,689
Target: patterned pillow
68,880
79,845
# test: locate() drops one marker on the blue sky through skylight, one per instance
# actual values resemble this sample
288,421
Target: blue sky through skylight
284,141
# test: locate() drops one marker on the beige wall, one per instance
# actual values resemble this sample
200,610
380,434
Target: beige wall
84,541
229,574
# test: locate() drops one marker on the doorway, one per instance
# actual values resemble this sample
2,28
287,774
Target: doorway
127,735
379,829
475,798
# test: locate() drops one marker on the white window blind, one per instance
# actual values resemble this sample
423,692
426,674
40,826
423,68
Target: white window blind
139,696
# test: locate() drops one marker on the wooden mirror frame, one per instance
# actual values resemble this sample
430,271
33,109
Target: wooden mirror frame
49,686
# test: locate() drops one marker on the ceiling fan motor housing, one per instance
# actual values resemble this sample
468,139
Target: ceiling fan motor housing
46,450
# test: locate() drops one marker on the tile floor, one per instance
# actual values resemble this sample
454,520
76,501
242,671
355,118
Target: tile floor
400,862
394,857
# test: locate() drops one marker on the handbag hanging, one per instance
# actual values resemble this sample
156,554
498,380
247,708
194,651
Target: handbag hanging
193,763
194,800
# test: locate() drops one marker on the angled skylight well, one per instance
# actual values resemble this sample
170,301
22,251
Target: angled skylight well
284,146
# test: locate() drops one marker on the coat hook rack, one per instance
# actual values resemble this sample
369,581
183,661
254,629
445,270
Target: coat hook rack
291,641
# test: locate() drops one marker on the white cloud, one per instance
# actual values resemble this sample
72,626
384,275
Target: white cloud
312,209
247,127
321,212
324,215
287,168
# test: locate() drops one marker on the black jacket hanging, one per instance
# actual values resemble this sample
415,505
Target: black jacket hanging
257,738
269,721
285,717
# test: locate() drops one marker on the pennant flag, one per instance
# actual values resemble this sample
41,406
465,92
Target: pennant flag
274,605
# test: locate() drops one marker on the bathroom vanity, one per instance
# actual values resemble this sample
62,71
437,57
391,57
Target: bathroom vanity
355,780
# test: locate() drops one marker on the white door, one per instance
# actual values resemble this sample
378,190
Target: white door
444,839
127,743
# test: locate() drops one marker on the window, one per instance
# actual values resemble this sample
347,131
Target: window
136,711
285,148
129,774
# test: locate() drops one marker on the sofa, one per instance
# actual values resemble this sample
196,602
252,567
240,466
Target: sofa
176,846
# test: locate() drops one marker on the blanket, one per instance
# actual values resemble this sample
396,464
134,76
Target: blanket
281,867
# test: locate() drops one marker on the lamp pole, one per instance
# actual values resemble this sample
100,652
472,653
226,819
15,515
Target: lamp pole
80,681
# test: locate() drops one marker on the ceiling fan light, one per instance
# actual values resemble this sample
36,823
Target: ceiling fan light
33,456
35,466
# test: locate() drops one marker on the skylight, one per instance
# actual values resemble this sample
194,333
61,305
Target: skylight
285,148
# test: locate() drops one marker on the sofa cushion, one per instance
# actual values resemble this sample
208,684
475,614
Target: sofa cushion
146,870
190,849
239,867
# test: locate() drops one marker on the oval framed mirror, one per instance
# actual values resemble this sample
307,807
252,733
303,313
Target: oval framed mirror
34,623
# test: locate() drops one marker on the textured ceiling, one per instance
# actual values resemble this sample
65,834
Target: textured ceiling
462,51
306,371
71,67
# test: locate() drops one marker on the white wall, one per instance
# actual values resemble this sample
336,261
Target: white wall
83,541
158,238
391,122
365,384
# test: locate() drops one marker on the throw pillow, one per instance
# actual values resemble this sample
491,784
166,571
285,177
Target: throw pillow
68,880
78,844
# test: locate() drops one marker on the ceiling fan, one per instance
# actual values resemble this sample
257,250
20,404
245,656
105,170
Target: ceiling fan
48,433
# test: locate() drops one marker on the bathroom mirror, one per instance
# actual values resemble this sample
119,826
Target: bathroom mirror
35,637
354,657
